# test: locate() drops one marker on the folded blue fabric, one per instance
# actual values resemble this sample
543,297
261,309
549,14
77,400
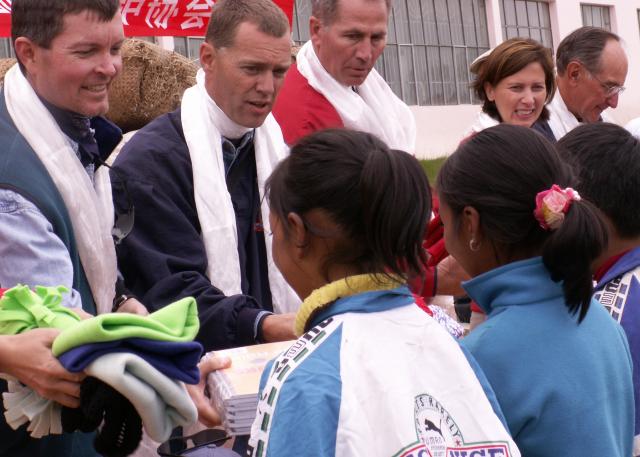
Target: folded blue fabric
175,360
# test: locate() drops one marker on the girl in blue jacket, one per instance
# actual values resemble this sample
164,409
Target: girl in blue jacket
559,365
372,373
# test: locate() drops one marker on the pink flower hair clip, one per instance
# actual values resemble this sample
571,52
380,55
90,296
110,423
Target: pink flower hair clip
552,205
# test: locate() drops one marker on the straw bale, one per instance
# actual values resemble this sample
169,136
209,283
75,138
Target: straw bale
151,83
5,64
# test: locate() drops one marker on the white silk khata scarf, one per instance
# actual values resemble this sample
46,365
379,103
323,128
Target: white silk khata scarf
374,109
90,208
204,125
561,120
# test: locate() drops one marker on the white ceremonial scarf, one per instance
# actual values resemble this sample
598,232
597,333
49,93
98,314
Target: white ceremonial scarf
561,120
204,124
374,109
633,127
482,121
90,209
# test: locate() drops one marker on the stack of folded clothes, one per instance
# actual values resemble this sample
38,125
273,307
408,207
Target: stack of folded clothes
136,367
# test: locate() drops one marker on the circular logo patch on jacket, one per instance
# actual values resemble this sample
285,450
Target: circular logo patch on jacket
439,435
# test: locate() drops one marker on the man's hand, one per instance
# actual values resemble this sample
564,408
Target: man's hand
207,414
133,306
278,327
28,357
450,277
82,313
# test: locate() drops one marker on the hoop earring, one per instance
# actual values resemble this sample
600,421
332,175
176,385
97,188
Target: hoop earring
474,245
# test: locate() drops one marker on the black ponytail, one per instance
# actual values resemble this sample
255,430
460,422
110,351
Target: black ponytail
379,198
499,172
570,250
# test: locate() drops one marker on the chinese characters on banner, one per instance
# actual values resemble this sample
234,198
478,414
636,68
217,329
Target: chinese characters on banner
155,17
5,18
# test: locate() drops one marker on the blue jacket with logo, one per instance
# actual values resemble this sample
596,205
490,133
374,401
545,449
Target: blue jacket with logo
376,376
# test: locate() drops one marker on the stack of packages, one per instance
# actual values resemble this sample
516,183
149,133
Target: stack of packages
136,367
234,391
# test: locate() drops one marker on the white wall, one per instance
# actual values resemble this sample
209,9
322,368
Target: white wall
440,128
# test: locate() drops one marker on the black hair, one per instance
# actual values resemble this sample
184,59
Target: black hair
379,197
499,172
606,158
42,20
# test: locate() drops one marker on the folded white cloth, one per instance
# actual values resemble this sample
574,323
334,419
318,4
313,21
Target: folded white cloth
163,403
204,124
90,209
374,109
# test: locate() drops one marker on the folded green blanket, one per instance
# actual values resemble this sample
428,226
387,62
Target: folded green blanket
175,322
22,309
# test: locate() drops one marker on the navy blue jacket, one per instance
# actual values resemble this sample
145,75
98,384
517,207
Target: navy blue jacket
163,259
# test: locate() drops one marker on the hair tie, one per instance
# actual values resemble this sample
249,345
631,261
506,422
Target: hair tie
552,205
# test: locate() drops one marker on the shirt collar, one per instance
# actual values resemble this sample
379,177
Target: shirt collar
232,149
355,294
74,125
623,263
96,137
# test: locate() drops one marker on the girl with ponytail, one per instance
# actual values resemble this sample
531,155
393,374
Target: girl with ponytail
372,373
558,363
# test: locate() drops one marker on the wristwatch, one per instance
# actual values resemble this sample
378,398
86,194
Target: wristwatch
118,302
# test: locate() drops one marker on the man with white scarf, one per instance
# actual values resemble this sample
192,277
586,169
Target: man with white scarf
56,213
196,177
592,68
334,84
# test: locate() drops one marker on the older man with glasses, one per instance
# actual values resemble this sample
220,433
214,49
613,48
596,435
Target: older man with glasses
592,68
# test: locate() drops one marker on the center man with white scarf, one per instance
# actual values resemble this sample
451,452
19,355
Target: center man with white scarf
196,177
334,84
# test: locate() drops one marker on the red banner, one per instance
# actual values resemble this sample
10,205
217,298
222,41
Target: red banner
155,17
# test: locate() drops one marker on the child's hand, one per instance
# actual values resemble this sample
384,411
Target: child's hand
450,277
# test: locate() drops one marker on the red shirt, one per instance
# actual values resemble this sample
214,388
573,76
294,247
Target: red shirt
301,110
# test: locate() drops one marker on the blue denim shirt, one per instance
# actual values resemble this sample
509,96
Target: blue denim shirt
30,252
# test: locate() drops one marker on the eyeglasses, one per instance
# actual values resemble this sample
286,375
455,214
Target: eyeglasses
609,89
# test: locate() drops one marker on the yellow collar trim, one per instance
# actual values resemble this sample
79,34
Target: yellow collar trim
346,287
